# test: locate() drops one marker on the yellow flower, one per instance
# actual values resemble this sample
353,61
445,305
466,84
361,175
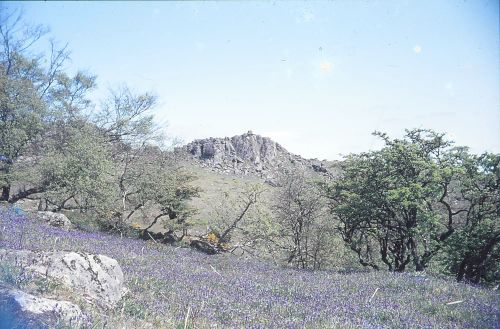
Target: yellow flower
225,246
212,238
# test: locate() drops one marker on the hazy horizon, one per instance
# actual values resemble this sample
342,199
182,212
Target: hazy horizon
318,78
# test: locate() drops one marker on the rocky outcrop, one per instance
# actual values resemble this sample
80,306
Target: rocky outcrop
247,154
97,278
54,219
19,309
236,151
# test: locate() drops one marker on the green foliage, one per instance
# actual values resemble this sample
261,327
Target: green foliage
417,198
125,116
56,149
150,179
472,253
21,113
78,171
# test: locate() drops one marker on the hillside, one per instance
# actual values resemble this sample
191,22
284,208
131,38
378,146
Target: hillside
179,288
225,165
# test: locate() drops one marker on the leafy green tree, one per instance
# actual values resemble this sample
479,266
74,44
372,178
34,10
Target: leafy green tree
394,206
155,182
35,94
148,180
472,253
125,117
78,175
56,149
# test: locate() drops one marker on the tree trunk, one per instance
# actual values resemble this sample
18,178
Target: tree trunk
472,266
419,266
5,193
25,193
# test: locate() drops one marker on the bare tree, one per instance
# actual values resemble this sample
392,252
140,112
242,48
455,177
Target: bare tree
233,222
299,211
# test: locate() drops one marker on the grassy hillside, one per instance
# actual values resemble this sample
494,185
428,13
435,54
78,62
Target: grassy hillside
180,288
212,186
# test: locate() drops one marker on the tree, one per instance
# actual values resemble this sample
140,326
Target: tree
472,253
146,176
55,149
156,182
393,206
236,221
125,117
299,210
77,175
33,91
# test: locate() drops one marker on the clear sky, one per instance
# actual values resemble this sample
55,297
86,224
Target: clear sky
317,77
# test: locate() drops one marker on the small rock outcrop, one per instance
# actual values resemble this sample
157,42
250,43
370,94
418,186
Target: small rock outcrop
19,309
97,278
54,219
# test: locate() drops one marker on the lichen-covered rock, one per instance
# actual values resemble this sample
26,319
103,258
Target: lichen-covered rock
19,309
54,219
97,278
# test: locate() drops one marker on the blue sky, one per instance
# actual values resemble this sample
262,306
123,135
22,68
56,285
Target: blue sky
317,77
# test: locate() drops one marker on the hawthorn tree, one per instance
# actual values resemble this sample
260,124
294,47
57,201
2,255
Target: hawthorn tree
472,253
395,206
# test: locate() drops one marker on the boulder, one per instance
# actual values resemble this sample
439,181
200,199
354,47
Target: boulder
319,168
19,309
97,278
204,247
207,150
54,219
168,237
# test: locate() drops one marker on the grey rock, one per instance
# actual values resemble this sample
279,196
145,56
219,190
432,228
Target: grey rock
97,278
271,182
54,219
19,309
319,168
208,150
248,151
